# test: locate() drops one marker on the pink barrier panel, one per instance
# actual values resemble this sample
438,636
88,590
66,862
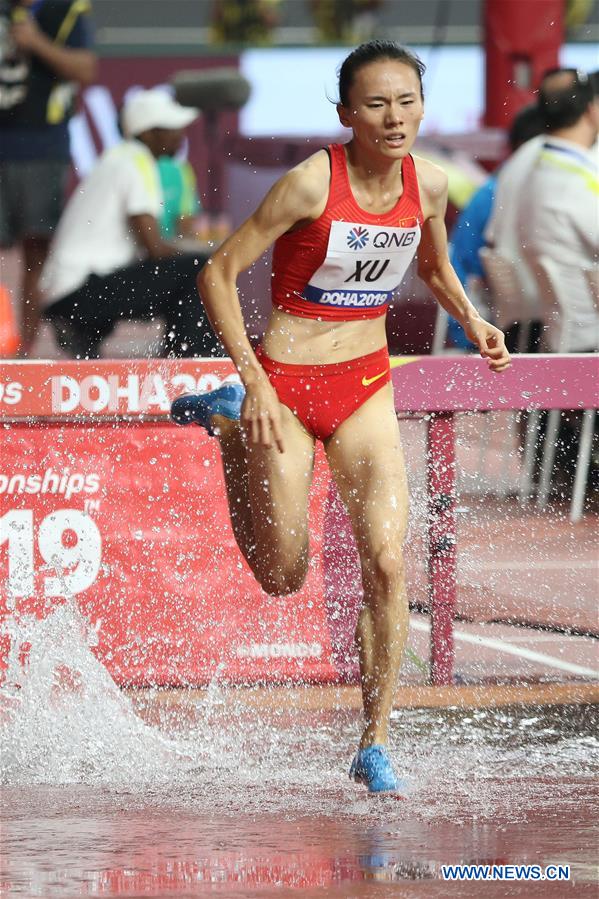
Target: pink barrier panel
102,498
465,384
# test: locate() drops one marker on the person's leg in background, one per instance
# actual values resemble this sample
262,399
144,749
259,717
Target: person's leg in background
79,320
7,226
166,288
187,329
33,199
154,289
35,250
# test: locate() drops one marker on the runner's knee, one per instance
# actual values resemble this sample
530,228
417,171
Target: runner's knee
384,571
282,579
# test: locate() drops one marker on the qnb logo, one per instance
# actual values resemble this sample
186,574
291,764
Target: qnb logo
383,239
357,238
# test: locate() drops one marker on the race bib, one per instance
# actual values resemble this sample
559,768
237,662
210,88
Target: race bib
364,265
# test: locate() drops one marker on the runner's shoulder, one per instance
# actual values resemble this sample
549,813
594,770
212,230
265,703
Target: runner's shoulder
432,180
308,182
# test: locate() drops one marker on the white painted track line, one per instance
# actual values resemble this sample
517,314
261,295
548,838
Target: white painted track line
510,649
548,565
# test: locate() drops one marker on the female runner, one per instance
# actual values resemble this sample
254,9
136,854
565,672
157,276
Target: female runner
345,225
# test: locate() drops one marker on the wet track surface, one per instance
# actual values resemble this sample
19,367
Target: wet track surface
187,794
218,798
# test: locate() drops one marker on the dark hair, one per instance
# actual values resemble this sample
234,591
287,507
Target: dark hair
372,51
526,124
564,97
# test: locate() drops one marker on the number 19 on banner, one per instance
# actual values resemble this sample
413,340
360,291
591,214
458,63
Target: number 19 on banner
69,543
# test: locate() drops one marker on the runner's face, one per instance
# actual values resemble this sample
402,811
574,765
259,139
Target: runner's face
385,108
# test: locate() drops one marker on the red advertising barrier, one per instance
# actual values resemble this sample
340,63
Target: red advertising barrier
102,498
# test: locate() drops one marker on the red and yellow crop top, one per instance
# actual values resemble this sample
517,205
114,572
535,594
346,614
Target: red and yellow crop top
348,263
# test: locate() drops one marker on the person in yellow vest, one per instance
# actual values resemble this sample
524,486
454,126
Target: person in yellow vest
45,55
109,261
181,204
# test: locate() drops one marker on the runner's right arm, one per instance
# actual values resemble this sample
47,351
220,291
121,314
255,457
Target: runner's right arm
298,196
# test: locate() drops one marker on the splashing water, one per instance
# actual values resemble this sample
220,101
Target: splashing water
69,723
64,718
155,793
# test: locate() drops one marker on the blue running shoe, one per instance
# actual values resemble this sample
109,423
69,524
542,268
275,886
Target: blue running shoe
198,408
372,767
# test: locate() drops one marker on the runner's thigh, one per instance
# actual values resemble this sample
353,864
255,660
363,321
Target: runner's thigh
279,489
366,458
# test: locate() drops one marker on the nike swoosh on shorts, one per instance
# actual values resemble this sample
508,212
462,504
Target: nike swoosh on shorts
368,381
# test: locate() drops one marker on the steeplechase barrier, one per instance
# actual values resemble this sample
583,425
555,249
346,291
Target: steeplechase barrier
102,498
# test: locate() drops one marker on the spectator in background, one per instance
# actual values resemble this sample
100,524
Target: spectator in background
468,235
594,79
245,21
345,21
108,260
557,217
557,213
181,203
502,231
44,56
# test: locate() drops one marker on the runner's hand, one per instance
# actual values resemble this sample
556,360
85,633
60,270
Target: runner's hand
261,415
490,342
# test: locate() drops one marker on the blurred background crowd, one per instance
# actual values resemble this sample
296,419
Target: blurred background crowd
133,137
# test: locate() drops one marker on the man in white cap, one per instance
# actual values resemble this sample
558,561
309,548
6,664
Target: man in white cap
108,260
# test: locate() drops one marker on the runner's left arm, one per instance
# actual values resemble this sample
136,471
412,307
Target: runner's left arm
438,274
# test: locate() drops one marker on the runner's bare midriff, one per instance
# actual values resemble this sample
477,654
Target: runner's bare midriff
307,341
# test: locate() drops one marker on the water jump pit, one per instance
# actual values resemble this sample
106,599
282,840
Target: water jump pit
159,739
